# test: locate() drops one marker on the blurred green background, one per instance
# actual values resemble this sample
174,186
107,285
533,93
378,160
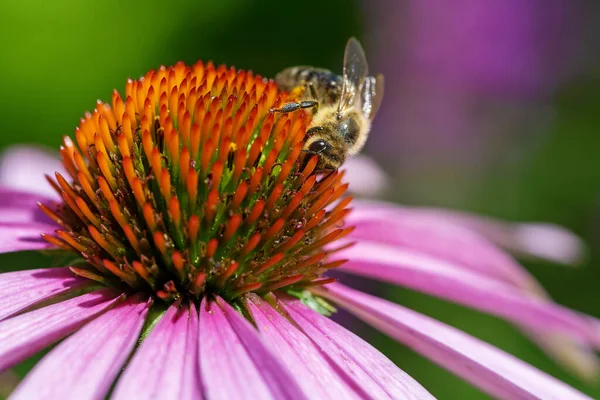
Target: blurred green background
505,124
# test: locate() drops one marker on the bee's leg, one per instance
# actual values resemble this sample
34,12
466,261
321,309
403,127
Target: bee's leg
314,130
295,106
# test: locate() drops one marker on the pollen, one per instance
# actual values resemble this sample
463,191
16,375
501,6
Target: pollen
187,186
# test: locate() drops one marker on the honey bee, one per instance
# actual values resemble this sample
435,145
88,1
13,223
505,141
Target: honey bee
343,106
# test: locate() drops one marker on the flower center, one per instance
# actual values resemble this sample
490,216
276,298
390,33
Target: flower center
191,186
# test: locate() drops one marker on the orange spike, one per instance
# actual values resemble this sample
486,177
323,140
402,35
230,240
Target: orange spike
239,195
250,245
195,139
87,212
118,107
314,221
216,172
105,133
115,210
149,217
270,263
159,241
175,211
130,235
256,212
283,282
291,242
108,194
56,242
178,263
274,229
274,196
334,264
71,241
138,191
105,167
123,145
207,153
292,205
87,188
211,205
66,153
128,128
233,223
320,282
310,261
193,227
199,281
51,214
310,166
255,180
129,170
64,185
82,168
320,202
165,185
211,248
139,268
227,273
98,238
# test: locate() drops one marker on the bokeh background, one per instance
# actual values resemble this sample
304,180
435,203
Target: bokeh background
490,106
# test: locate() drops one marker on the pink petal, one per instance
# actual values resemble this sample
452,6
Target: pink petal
485,366
22,289
442,238
26,334
365,177
166,364
361,362
22,222
438,238
23,168
446,280
85,365
535,240
234,361
311,367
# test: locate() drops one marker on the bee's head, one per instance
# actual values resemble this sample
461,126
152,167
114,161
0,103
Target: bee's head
331,156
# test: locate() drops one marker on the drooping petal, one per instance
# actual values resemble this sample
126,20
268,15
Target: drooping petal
166,364
361,362
311,367
22,222
446,280
22,289
485,366
440,239
26,334
235,362
535,240
85,365
23,168
435,235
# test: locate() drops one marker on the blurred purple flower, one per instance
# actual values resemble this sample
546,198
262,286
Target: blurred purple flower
458,73
214,352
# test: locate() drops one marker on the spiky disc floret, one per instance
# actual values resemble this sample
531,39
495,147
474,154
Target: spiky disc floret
191,186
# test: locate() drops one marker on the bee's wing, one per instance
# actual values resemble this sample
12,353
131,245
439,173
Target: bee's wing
371,95
354,75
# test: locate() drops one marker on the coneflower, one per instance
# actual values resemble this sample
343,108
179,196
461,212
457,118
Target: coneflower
204,234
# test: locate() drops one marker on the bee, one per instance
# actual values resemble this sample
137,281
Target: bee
343,106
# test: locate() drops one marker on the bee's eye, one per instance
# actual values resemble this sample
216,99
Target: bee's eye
318,146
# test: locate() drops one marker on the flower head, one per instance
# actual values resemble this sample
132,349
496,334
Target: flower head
204,234
190,187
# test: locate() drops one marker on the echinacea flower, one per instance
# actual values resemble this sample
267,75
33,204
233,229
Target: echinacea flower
205,235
